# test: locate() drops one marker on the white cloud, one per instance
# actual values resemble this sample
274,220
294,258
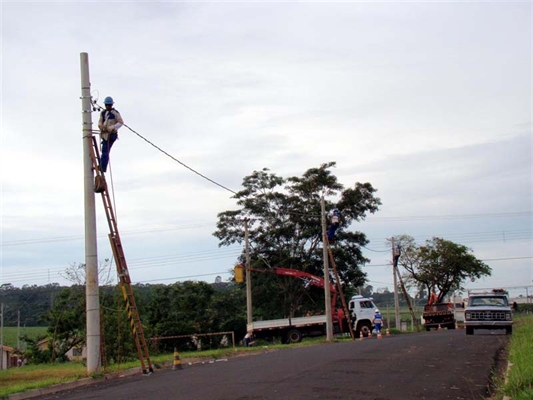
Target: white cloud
430,102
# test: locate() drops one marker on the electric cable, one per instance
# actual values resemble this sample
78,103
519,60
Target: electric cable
180,162
183,277
96,105
375,251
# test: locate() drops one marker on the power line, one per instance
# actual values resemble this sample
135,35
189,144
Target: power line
152,262
79,237
507,259
135,264
505,235
178,161
376,251
449,216
184,277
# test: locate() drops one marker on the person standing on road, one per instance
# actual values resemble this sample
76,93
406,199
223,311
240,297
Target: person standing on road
378,321
109,123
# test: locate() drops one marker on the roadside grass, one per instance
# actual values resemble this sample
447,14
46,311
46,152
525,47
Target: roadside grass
11,334
15,380
519,382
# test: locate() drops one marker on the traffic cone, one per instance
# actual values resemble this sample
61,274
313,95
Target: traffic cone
456,325
361,337
370,334
379,335
439,329
177,362
387,333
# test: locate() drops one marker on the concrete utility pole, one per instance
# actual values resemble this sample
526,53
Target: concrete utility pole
18,329
396,299
91,251
248,276
329,322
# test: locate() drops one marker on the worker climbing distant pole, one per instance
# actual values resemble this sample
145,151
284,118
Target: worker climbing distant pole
334,215
109,123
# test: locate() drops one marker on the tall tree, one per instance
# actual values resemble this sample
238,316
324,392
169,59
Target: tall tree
285,230
440,264
66,321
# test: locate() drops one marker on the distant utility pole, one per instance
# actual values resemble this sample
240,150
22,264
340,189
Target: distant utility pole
18,329
329,322
396,299
91,251
248,276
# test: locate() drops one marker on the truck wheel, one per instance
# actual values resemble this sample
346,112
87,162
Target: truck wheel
428,328
365,328
294,336
469,330
509,330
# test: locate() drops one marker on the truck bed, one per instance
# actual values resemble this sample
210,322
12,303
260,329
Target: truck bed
286,322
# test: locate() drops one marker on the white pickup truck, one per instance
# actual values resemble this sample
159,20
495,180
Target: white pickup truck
488,310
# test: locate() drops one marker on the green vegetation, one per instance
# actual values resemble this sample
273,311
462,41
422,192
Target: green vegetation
29,377
439,264
10,334
284,229
519,383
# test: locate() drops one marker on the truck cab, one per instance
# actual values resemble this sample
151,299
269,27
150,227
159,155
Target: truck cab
362,312
488,310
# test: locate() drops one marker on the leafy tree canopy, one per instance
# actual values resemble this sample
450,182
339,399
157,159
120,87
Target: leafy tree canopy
440,264
284,223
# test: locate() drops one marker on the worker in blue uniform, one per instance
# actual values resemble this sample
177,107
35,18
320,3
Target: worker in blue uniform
109,123
335,217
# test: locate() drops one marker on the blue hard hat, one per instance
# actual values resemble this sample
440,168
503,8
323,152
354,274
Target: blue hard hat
108,100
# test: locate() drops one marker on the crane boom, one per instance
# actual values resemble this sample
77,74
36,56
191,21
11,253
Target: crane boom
307,278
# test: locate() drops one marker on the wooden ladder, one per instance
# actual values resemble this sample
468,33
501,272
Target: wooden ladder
120,261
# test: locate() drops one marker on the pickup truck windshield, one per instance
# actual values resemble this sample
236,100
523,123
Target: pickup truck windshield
489,301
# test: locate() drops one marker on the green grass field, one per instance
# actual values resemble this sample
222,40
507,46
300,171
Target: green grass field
11,336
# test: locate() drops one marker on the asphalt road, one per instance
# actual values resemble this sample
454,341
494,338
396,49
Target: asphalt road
433,365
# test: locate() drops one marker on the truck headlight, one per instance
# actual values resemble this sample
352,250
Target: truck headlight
468,315
508,316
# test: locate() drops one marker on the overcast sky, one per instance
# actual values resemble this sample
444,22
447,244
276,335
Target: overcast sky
430,102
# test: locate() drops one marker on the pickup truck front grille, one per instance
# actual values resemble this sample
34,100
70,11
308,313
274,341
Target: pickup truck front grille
488,316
